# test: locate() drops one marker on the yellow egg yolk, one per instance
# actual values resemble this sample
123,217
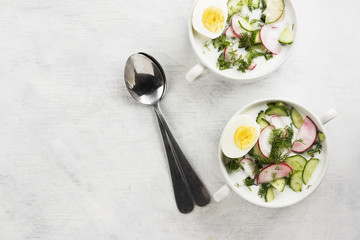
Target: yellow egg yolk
245,136
213,19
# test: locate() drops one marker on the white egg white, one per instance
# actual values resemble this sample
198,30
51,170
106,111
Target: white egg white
227,143
198,11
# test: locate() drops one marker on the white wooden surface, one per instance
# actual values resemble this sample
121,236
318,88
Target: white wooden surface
80,159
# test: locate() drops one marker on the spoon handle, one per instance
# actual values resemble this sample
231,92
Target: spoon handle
198,191
183,197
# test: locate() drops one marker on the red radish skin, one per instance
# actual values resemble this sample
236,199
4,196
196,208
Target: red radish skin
307,133
252,66
248,165
229,32
273,172
263,141
269,39
236,27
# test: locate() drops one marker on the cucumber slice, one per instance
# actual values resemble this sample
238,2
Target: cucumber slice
255,152
261,120
274,10
296,162
269,195
309,169
235,6
245,24
320,135
274,110
279,184
296,118
263,123
286,36
276,104
261,115
296,181
256,37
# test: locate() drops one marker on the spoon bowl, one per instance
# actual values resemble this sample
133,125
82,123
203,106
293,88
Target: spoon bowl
144,79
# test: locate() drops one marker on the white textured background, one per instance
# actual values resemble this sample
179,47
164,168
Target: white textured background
80,159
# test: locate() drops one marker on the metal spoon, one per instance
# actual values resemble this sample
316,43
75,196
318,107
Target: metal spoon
146,82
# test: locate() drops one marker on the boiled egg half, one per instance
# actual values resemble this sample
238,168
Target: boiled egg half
209,17
239,136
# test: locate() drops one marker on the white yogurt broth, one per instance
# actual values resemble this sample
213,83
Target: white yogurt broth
288,195
210,55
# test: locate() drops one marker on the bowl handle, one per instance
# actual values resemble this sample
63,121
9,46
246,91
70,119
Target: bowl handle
195,72
222,193
328,115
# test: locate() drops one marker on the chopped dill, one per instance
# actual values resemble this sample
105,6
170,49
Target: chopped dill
234,164
263,189
207,45
280,140
316,148
220,42
273,175
268,55
242,64
222,64
245,41
249,181
232,53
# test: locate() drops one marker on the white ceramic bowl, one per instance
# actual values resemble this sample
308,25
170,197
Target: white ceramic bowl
208,59
287,197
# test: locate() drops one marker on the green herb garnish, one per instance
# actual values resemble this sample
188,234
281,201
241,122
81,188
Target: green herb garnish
263,6
263,189
222,64
316,148
207,45
249,181
268,55
234,164
246,41
242,64
220,43
263,18
280,140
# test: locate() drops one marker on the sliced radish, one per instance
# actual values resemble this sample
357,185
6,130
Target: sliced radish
273,172
248,165
229,32
269,39
228,56
277,122
306,136
279,22
263,142
252,66
235,25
